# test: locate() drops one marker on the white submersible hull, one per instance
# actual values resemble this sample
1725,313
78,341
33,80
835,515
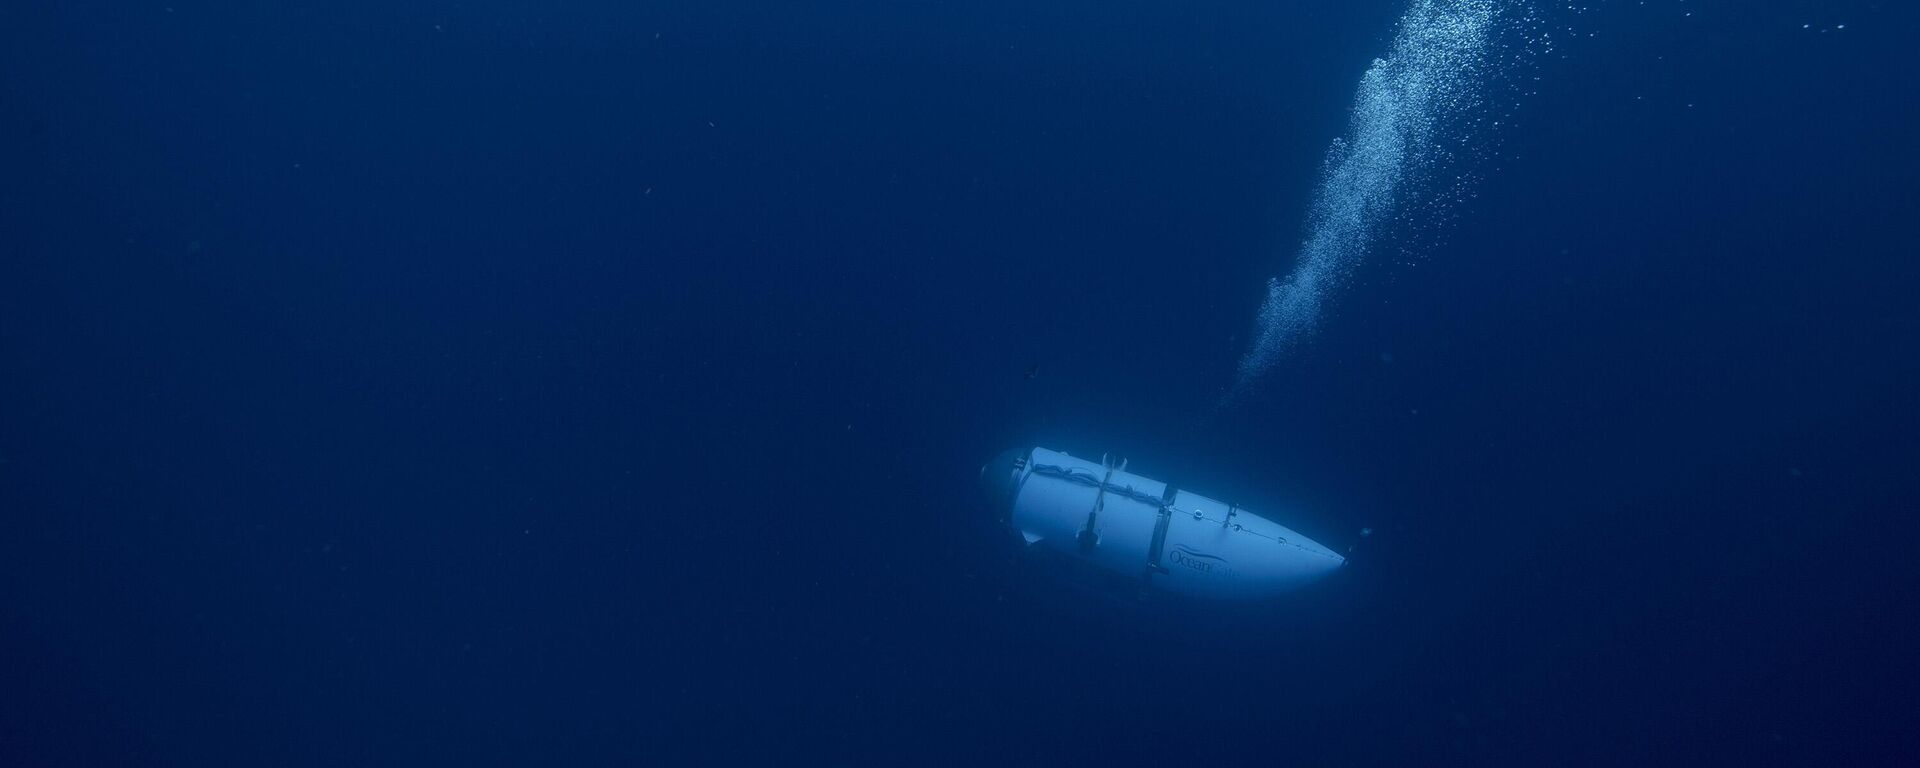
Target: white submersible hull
1136,527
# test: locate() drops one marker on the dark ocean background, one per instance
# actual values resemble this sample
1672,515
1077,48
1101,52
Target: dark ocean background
502,382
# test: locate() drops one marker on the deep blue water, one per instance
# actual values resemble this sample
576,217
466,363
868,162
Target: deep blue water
502,382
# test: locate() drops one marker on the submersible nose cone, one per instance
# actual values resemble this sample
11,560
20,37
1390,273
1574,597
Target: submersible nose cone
999,478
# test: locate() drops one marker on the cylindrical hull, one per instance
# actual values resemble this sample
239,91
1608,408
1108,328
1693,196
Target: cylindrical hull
1135,526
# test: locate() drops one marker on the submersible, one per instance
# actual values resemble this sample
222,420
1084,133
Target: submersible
1134,527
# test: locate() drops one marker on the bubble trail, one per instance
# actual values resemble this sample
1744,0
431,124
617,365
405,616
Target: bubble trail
1406,113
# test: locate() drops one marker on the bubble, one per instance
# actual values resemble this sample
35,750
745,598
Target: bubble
1413,112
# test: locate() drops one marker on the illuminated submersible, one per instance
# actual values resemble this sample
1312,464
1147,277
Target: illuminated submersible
1135,527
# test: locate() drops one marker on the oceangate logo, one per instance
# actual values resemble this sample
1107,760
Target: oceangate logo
1193,559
